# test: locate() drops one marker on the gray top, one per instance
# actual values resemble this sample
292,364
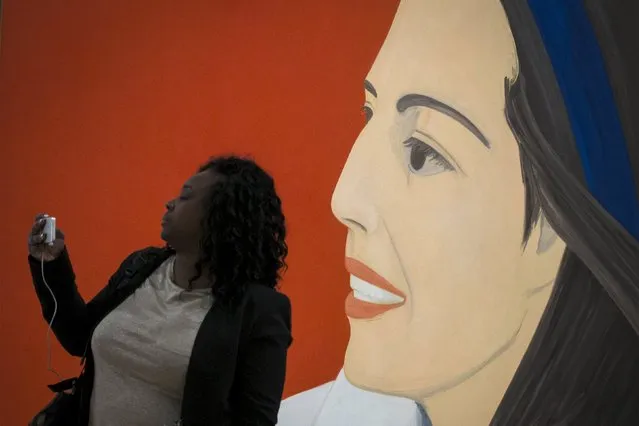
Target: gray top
141,352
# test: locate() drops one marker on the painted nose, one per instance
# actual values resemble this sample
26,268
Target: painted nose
351,202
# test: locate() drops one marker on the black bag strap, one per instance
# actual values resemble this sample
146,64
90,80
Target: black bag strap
62,386
135,272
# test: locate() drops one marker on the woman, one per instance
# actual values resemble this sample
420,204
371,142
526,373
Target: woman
192,334
492,214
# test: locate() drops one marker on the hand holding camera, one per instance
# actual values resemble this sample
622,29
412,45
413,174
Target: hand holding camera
46,242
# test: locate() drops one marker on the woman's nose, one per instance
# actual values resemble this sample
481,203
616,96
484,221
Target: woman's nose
170,205
351,202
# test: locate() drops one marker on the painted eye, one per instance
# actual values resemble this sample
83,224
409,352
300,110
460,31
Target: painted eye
367,112
422,159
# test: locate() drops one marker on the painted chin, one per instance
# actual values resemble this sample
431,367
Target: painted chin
365,373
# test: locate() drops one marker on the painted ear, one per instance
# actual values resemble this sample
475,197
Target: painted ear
547,235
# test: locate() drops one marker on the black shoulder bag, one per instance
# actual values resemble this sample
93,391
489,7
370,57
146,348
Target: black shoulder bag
63,409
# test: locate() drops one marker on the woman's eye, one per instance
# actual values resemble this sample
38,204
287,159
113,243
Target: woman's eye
367,112
424,160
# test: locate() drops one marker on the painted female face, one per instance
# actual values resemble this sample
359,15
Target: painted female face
433,199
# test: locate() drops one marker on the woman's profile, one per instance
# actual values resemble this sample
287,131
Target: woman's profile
492,209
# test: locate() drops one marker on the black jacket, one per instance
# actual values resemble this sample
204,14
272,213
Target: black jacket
237,367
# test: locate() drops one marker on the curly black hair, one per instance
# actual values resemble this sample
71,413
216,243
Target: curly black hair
243,230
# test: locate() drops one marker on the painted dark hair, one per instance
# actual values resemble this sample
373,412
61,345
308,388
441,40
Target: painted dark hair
582,366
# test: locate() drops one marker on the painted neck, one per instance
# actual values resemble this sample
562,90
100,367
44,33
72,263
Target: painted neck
475,401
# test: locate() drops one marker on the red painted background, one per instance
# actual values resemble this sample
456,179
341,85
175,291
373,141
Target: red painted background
107,106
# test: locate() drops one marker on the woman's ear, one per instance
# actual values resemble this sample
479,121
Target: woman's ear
543,261
547,235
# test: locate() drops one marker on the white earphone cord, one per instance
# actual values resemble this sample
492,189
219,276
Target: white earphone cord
49,329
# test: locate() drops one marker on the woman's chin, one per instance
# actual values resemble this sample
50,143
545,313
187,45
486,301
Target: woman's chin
362,380
371,378
369,374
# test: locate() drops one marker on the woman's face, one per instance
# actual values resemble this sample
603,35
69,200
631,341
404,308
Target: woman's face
433,199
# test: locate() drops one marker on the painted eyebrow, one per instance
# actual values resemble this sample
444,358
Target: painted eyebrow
415,100
368,86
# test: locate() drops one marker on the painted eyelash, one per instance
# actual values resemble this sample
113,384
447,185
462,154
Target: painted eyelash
429,152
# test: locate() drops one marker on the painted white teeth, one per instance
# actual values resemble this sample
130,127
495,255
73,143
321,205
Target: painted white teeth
367,292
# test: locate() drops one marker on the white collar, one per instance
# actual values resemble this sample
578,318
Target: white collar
339,403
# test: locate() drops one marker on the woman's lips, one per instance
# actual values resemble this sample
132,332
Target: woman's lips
372,294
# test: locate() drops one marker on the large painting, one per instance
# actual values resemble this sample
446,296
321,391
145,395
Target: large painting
492,210
463,250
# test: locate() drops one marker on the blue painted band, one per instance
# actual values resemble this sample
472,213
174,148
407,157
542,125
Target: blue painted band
580,70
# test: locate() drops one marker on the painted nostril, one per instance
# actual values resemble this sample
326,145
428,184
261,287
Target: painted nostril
354,224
